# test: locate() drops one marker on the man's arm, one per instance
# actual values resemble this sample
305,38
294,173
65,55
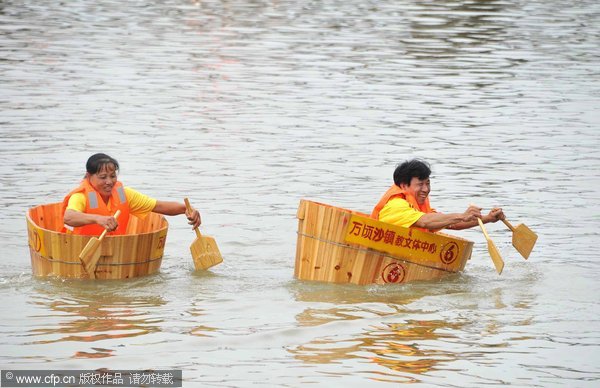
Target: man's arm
494,215
436,221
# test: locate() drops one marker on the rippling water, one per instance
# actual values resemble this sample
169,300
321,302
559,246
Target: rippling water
247,107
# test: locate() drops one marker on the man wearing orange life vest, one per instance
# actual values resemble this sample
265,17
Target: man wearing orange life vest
406,203
88,209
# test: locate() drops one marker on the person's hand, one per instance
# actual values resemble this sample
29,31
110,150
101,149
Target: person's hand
495,215
472,213
107,222
193,218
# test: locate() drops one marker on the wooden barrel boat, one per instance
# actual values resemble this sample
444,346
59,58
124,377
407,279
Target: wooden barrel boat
53,253
343,246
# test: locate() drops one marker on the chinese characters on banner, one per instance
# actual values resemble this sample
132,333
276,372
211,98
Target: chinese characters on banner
407,243
390,237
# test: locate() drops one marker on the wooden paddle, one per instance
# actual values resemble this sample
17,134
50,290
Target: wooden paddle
494,253
523,238
204,249
90,254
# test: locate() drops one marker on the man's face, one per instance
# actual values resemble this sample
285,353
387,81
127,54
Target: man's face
418,188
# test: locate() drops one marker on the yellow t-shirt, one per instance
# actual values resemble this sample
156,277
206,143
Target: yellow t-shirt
398,212
140,205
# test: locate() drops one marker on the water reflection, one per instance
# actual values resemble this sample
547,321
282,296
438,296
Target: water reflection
397,346
195,312
405,349
351,302
386,326
89,315
401,347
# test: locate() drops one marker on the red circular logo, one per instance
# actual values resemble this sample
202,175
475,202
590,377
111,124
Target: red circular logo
393,273
449,253
35,240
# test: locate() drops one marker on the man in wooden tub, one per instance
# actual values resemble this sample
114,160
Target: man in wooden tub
90,206
406,203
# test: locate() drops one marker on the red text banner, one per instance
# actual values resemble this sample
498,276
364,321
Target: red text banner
413,245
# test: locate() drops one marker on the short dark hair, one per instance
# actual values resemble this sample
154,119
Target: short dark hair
97,162
415,168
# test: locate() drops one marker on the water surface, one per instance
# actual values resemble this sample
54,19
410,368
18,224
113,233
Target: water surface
247,107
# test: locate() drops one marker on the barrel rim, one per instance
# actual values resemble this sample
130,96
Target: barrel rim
30,219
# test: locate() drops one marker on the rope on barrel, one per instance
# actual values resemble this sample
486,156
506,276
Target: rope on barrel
100,264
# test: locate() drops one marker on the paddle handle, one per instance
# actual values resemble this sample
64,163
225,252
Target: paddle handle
88,256
481,225
487,237
493,251
508,224
106,230
188,206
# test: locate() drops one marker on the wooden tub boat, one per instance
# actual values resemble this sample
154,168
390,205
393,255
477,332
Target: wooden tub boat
53,253
343,246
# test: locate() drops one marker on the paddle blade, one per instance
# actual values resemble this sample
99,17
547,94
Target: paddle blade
90,268
90,255
495,255
524,240
205,252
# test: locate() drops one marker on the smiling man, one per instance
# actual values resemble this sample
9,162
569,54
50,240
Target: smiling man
406,203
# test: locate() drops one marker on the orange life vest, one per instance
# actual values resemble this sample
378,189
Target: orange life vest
396,191
96,205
